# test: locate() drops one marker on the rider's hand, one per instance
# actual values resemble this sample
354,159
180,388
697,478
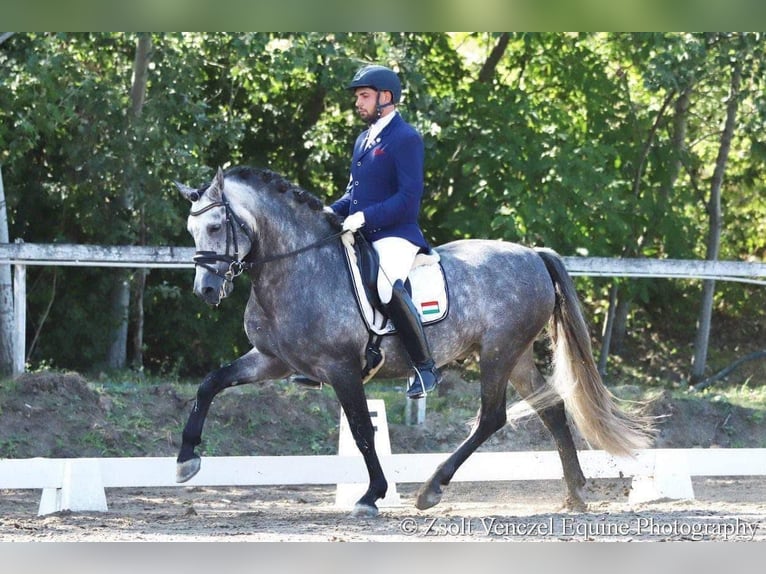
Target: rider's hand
353,222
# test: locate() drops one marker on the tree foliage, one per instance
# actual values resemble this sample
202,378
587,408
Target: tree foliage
602,144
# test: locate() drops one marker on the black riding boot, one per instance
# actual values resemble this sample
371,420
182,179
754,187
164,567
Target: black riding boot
405,317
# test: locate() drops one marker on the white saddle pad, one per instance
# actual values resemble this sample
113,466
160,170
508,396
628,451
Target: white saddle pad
429,292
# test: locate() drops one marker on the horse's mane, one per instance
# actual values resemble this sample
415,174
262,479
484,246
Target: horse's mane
254,177
275,182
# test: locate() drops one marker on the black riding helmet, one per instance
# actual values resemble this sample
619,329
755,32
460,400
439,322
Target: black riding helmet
379,78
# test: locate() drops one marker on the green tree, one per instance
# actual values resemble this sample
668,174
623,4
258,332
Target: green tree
600,144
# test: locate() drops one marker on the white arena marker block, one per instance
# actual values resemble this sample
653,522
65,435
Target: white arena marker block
81,489
50,501
667,478
346,495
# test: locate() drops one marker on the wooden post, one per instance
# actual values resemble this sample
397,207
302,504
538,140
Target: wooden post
19,317
7,332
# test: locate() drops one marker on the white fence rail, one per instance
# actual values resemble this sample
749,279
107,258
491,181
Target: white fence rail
181,258
20,255
78,484
69,255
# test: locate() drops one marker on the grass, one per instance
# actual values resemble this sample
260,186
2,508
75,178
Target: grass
10,447
744,395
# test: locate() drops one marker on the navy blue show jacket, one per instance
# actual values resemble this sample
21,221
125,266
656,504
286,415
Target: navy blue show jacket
386,183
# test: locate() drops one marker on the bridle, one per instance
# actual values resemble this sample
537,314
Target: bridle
207,259
237,266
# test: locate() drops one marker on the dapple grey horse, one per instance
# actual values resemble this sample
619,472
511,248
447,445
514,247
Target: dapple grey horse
302,318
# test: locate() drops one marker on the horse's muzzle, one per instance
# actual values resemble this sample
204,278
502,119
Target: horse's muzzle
211,288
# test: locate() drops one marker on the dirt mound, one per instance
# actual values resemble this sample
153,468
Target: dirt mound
66,383
711,423
50,414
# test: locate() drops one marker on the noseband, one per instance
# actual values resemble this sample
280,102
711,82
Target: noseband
207,259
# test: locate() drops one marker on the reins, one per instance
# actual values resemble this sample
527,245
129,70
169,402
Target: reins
270,258
205,259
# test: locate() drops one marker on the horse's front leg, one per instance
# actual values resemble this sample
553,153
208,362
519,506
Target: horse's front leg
249,368
354,403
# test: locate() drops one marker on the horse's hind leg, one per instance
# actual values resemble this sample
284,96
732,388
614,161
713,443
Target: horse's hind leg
249,368
491,417
354,403
527,379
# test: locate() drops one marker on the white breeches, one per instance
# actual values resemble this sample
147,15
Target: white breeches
396,257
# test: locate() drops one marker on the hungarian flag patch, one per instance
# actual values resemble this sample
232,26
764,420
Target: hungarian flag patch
429,308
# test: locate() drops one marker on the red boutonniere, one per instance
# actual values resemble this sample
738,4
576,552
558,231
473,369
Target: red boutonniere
378,151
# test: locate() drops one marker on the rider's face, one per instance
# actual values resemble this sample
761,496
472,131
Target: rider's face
366,101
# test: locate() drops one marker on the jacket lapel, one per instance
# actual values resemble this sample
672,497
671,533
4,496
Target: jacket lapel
360,152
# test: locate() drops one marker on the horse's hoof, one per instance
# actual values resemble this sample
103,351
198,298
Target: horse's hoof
428,497
575,504
364,511
187,469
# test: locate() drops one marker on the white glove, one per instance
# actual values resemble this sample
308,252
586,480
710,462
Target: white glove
348,240
353,222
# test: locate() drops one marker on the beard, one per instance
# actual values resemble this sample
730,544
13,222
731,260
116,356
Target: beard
367,117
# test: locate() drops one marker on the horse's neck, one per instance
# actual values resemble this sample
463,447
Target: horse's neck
289,229
280,285
275,215
281,227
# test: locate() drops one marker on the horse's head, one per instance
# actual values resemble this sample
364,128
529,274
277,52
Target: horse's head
220,236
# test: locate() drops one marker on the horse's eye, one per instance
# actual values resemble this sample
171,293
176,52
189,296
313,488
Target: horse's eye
216,227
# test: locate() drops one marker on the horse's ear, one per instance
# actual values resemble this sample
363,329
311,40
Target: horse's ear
216,187
188,192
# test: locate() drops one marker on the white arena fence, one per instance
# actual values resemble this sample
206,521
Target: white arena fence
79,484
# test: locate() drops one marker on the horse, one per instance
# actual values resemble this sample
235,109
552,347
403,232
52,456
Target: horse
302,319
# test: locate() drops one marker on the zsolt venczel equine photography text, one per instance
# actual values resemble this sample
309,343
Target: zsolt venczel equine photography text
572,527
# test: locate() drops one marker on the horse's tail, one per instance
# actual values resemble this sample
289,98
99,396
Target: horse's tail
591,406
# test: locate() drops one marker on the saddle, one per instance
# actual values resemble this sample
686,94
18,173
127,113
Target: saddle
368,263
426,285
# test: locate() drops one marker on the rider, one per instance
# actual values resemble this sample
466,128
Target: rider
382,201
